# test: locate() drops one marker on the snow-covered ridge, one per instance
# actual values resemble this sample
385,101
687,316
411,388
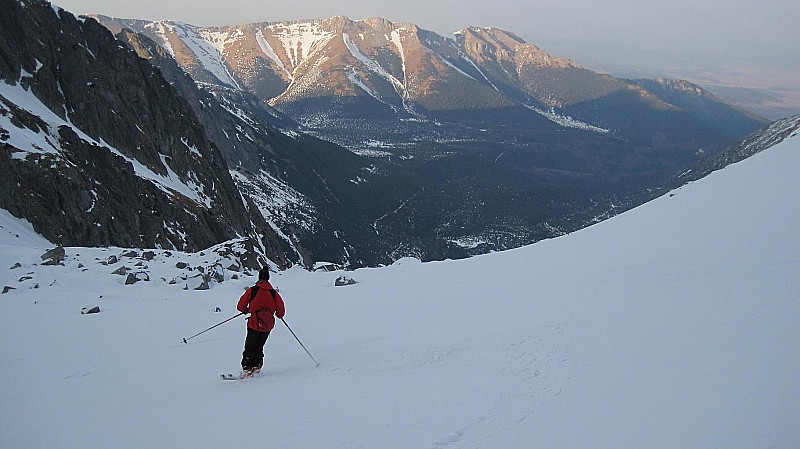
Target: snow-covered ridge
775,132
161,30
207,46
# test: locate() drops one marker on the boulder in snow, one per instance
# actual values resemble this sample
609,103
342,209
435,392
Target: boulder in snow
204,285
344,280
54,256
216,272
326,266
197,282
90,309
136,277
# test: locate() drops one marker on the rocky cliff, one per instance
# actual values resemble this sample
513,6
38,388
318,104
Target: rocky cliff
99,149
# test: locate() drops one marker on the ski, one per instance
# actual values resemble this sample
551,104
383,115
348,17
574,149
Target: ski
240,376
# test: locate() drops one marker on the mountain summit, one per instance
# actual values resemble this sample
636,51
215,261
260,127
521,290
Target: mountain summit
324,70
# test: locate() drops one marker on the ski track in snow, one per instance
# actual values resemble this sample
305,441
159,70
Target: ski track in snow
672,325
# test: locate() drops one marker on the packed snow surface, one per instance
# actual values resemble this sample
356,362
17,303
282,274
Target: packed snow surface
674,325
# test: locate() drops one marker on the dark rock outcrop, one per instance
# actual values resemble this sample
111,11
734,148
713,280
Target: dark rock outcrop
90,310
342,281
128,162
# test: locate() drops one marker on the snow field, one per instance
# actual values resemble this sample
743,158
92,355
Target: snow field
672,325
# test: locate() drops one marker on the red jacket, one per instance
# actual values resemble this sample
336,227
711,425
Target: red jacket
265,305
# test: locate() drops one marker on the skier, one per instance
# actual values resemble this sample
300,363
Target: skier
263,303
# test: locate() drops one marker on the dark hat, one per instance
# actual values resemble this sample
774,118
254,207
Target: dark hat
263,274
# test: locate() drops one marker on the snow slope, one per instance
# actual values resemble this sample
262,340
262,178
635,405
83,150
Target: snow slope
674,325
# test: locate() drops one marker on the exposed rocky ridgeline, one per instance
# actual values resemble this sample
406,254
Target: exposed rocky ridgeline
755,143
98,149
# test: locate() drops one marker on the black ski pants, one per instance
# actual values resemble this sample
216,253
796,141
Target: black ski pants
253,355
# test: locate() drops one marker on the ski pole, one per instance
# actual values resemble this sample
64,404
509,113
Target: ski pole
212,327
301,343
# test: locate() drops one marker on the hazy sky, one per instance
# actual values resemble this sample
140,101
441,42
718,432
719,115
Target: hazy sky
639,33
